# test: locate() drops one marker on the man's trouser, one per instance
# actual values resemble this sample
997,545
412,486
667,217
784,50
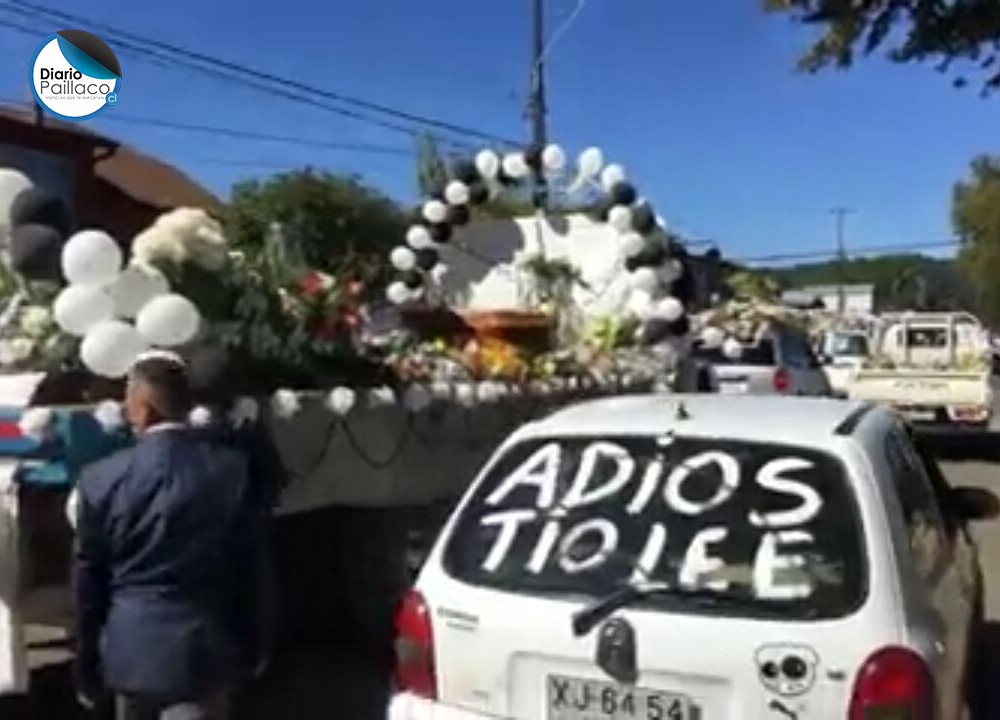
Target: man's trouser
138,707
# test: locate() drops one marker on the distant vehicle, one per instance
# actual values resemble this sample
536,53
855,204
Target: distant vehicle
699,556
934,368
843,353
781,362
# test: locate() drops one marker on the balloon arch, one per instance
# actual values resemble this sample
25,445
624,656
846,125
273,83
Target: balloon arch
659,273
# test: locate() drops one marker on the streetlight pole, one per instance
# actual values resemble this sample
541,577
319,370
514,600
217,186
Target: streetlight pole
839,214
536,108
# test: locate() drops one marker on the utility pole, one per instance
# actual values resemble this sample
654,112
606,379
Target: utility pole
536,109
839,214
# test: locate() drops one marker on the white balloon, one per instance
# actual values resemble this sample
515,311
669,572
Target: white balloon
632,244
439,271
418,237
80,307
590,162
620,218
553,158
612,175
644,279
435,211
488,164
515,166
91,257
341,400
110,348
732,348
640,304
136,286
12,183
397,293
403,258
669,309
712,337
456,193
168,320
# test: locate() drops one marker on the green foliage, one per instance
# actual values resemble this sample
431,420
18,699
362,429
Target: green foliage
976,219
901,281
967,31
335,222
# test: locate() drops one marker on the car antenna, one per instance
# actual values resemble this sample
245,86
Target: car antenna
682,412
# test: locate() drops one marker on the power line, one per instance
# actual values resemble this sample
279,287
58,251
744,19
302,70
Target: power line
173,63
32,10
871,249
354,147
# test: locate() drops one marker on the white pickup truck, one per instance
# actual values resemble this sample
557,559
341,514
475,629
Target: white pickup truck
932,367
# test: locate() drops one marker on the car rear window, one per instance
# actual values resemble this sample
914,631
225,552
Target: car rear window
761,523
760,354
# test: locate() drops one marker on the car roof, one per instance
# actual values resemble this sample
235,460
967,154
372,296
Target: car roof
808,421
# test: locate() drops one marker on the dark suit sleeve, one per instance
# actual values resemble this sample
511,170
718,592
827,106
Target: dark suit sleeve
92,584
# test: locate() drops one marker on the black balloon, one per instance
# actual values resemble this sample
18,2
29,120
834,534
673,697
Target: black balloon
533,157
465,170
653,254
427,258
458,215
623,193
680,326
35,251
643,219
603,208
683,288
40,207
413,279
632,263
478,193
440,232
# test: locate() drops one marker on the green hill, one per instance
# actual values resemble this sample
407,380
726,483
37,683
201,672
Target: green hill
901,281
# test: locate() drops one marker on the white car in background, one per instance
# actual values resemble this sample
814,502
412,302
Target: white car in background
699,557
780,362
843,353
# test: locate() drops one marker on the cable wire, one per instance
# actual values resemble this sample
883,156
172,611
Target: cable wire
33,10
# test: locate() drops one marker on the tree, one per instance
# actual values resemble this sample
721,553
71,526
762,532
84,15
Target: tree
975,214
967,31
333,221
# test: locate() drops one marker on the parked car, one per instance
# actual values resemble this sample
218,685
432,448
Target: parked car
780,362
843,353
699,557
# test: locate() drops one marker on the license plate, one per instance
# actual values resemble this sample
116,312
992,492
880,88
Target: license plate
576,699
732,388
917,415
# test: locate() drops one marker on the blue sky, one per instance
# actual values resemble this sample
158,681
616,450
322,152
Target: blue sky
698,100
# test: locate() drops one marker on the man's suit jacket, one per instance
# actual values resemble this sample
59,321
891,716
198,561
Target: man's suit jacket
167,558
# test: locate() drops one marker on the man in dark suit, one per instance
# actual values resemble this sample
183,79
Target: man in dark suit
168,553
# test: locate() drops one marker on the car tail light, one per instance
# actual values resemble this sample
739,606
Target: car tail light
781,381
893,683
414,672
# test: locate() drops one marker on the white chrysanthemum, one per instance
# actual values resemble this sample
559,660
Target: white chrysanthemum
285,404
245,410
200,416
36,321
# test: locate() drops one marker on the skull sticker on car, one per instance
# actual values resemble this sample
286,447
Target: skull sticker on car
787,670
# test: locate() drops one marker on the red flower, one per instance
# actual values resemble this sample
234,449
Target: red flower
326,329
311,284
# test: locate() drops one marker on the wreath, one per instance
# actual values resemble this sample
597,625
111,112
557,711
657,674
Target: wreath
659,272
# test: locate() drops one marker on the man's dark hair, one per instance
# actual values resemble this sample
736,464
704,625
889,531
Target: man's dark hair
168,385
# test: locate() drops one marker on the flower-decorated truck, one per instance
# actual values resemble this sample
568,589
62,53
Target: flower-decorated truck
374,428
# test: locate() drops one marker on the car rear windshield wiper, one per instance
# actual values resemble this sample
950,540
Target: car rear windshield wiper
586,619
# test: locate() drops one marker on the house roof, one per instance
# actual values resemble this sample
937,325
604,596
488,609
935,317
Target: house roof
140,176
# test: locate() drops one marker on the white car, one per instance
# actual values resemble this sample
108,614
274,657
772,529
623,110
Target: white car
780,362
698,557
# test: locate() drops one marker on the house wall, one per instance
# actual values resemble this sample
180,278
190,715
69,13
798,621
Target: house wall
64,162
